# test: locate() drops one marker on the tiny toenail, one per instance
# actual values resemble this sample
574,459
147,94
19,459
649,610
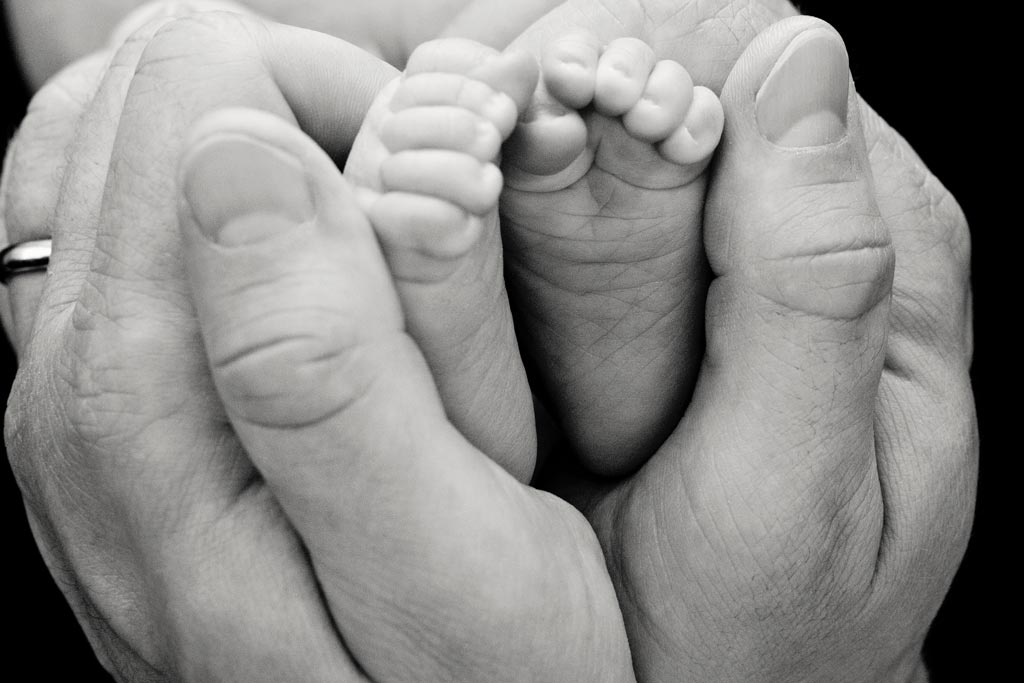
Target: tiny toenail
623,69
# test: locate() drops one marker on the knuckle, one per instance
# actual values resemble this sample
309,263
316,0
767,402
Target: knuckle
836,285
38,154
100,402
313,370
108,372
826,260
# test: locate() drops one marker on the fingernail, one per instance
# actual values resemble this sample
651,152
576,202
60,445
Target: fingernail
242,190
803,101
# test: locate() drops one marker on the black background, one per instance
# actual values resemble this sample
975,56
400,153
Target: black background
934,75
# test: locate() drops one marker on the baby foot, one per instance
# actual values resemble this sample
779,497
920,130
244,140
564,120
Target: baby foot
602,228
425,162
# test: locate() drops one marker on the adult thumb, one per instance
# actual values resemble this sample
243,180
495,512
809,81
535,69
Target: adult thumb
797,313
431,557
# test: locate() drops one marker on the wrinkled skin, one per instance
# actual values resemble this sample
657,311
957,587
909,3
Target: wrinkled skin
808,545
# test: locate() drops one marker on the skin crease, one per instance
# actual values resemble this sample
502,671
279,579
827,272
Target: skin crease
889,189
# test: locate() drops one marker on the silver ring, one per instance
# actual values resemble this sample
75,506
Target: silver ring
24,257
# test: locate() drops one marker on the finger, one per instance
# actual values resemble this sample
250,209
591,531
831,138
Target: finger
130,358
68,137
798,310
77,212
230,60
33,174
133,331
927,427
135,280
336,406
6,317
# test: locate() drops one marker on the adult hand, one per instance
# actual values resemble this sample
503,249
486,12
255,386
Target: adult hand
820,488
173,551
810,510
182,559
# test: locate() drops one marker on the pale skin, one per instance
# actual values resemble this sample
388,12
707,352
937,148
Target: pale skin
433,190
425,166
602,232
620,346
170,508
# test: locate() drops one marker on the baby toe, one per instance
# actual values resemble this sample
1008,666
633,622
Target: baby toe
622,73
448,55
696,139
441,127
664,104
513,73
424,237
456,90
569,68
547,151
452,176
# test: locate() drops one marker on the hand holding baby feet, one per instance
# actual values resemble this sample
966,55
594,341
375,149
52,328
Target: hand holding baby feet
425,162
602,226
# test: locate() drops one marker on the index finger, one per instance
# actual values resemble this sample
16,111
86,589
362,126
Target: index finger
33,174
137,386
